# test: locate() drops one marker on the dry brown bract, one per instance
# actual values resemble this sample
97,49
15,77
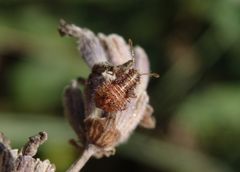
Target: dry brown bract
114,100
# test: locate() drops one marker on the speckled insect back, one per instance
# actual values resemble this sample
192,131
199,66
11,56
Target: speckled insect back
113,96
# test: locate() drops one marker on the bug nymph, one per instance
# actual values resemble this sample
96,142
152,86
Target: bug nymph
113,95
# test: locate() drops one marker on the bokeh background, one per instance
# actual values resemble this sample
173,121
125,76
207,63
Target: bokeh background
193,44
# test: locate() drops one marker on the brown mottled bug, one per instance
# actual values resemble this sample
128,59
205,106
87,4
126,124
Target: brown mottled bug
113,95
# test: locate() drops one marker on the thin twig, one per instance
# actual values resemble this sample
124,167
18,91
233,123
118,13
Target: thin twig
77,165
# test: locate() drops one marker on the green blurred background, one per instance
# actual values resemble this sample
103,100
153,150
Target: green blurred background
193,44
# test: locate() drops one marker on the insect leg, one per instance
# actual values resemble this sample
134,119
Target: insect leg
81,81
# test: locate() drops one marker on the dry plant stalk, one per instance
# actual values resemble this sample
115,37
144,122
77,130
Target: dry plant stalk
12,160
114,100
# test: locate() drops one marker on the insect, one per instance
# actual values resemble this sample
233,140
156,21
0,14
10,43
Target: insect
113,95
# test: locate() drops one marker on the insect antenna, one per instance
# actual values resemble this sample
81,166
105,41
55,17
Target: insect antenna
130,43
155,75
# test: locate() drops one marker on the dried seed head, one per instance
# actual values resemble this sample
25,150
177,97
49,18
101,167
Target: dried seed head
115,97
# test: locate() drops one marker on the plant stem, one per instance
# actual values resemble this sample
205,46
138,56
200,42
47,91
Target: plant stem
78,165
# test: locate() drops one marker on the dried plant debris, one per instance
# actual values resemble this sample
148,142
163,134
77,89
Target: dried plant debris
114,100
12,160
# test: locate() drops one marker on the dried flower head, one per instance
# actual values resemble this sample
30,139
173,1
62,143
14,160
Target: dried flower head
13,160
114,100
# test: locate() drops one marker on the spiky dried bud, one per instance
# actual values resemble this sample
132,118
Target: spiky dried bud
12,160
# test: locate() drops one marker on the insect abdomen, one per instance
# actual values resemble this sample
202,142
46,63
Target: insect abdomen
110,98
114,96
